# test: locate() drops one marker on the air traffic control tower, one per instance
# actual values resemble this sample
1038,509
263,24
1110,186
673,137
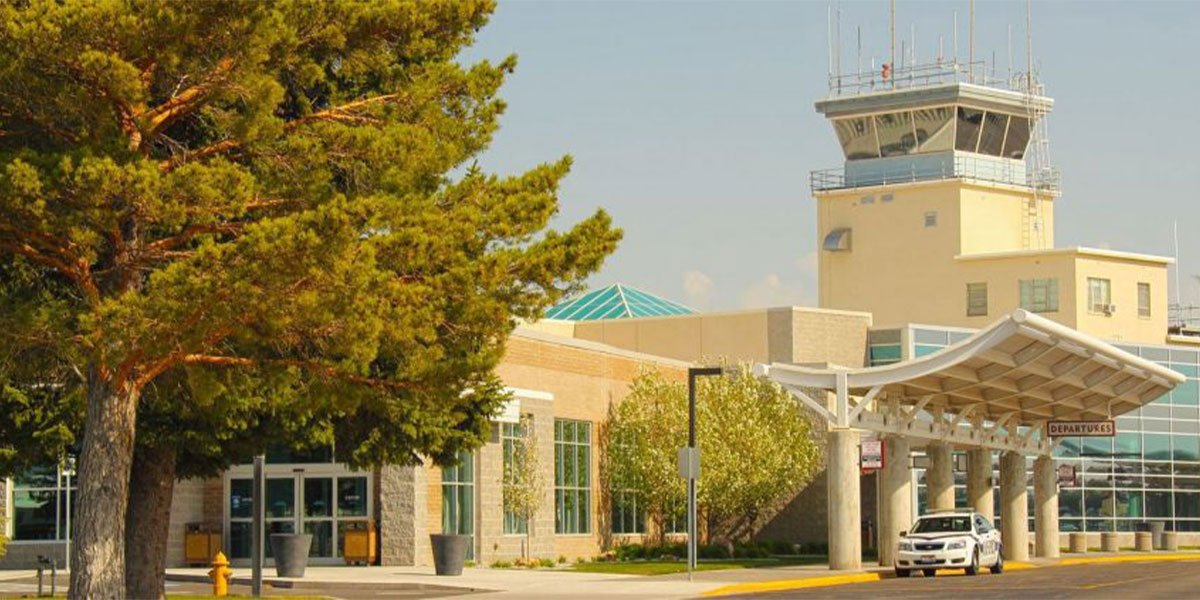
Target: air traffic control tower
943,211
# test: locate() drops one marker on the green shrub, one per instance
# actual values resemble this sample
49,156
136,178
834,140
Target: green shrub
712,551
562,560
502,564
468,563
3,539
546,563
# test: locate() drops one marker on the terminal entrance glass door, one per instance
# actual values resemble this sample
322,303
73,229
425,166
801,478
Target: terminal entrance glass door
324,500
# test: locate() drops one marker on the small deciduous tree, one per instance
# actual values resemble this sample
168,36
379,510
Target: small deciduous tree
755,444
524,483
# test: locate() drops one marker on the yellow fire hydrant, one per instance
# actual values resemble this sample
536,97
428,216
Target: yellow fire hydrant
220,574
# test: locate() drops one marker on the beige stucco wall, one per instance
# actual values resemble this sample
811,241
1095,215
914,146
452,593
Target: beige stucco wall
904,272
782,334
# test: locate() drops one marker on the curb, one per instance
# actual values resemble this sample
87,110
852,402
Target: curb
781,585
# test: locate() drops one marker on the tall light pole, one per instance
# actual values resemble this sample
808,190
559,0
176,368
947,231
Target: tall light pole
689,461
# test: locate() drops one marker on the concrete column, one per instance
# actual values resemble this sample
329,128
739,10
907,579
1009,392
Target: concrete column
939,477
404,532
979,482
1045,505
895,496
845,515
1014,512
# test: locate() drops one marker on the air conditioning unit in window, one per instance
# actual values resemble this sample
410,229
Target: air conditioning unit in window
1109,309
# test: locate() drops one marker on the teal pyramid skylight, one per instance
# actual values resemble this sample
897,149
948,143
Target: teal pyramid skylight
616,301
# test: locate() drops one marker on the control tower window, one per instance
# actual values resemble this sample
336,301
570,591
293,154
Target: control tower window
935,129
896,135
857,137
970,121
992,140
1017,138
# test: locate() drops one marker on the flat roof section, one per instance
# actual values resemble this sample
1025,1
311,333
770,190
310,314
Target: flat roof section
1021,370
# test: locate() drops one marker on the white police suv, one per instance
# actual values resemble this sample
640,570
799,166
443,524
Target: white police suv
949,540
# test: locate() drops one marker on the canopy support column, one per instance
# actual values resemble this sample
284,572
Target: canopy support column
1014,510
845,512
1045,494
939,477
895,496
979,482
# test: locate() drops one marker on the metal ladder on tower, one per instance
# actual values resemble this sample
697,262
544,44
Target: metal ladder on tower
1037,164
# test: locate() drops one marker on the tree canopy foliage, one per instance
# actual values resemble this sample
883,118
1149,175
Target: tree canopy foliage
756,449
227,215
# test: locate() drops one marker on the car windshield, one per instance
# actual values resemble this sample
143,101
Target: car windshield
943,525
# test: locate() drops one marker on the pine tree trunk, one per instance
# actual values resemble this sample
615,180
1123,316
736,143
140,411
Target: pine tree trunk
98,553
148,521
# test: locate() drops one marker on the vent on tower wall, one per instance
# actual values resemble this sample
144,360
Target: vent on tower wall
837,240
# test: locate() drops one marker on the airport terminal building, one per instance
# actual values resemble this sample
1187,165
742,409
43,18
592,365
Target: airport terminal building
935,237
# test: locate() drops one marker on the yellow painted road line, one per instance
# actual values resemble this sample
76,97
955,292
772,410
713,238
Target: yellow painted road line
793,584
1066,562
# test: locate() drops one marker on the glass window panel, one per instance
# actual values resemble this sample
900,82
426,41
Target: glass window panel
1128,424
1098,503
1185,356
585,433
1159,409
1186,393
1157,446
1187,505
895,133
857,137
1099,525
935,129
1068,447
322,542
41,476
1070,525
1187,483
318,496
34,514
1183,424
583,472
1128,503
884,336
1156,425
992,140
1097,446
1186,469
1070,503
1187,525
1143,299
241,498
1161,483
352,496
1099,294
931,336
1017,139
1039,295
1129,445
281,498
977,304
239,539
1158,504
1185,447
969,124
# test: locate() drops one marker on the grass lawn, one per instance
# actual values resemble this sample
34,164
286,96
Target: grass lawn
662,567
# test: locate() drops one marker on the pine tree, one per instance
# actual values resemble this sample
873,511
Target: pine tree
276,199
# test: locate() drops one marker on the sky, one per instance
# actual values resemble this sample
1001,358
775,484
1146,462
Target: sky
692,124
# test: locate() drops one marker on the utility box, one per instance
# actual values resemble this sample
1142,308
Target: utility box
359,546
200,544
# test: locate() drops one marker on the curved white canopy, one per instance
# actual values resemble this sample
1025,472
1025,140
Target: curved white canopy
1023,369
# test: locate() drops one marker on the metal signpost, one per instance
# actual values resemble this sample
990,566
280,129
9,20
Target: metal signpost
258,503
690,457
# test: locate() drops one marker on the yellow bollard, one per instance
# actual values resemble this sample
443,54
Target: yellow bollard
220,574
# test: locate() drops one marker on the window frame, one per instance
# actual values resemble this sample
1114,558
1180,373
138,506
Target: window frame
581,495
1143,310
1049,288
973,309
66,482
1099,284
931,218
510,434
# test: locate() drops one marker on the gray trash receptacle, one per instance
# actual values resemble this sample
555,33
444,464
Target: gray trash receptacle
1156,533
291,553
449,553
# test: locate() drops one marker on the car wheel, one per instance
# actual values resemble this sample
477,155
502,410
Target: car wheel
929,572
998,568
903,572
973,568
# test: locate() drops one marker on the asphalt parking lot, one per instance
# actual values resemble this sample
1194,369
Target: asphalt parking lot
1173,579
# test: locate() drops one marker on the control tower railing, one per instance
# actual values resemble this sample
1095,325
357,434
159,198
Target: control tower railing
966,168
925,75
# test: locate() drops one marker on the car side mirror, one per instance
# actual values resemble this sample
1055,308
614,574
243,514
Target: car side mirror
903,533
